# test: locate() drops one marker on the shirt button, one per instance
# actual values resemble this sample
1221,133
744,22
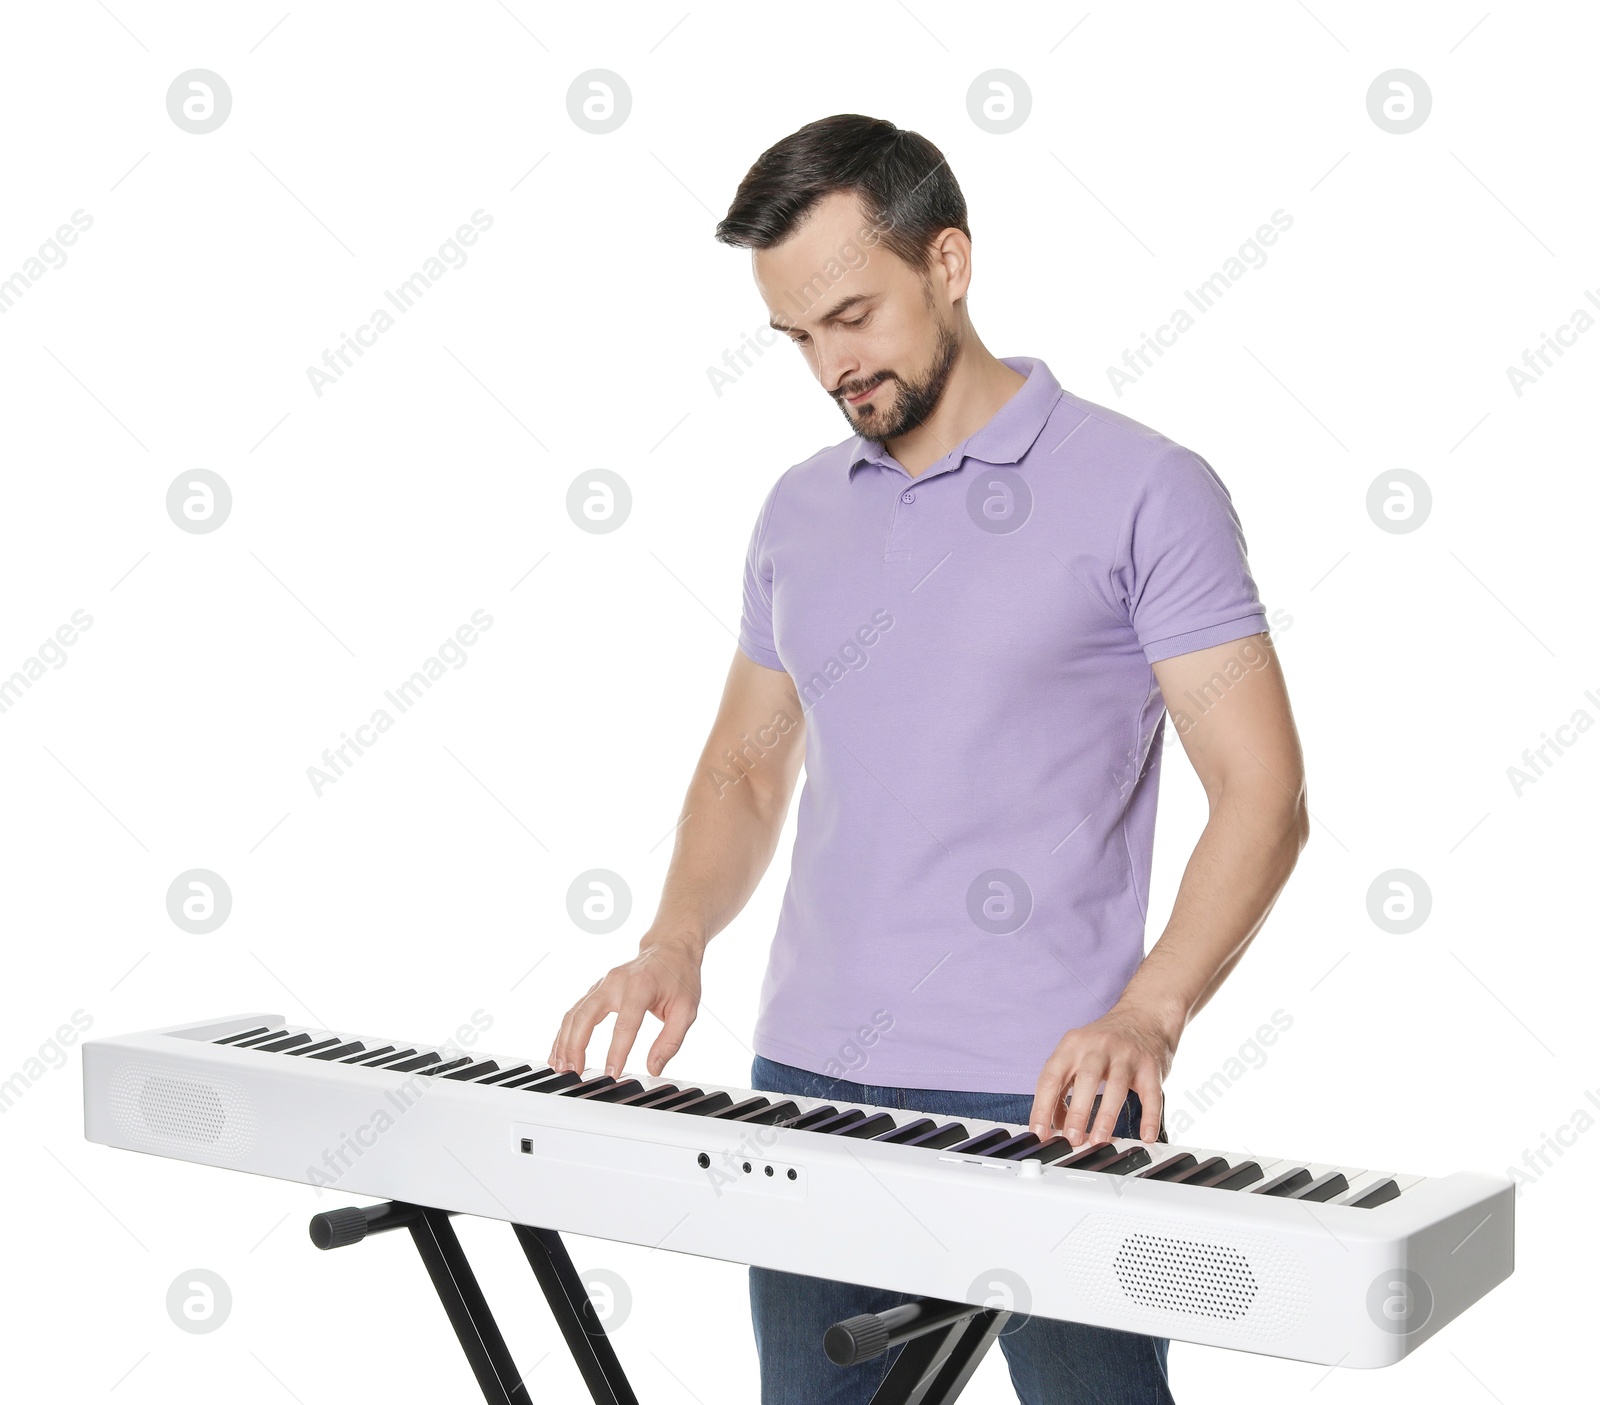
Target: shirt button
908,496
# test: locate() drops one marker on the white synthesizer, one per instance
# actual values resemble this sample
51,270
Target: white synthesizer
1317,1263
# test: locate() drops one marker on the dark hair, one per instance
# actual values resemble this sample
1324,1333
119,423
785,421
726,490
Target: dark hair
901,178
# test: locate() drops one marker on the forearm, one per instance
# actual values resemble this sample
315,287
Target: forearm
1240,864
725,839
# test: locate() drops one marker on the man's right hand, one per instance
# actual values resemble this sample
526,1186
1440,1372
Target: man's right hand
664,978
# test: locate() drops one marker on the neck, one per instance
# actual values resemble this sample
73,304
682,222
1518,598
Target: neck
980,383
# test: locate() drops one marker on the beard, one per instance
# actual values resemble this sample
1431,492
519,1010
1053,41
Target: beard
913,401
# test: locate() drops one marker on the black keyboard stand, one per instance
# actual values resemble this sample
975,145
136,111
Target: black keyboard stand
944,1342
468,1309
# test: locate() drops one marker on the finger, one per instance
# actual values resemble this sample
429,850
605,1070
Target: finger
1087,1078
1152,1101
679,1016
1111,1101
1047,1097
586,1014
626,1030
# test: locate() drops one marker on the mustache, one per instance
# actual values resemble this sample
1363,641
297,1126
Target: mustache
844,391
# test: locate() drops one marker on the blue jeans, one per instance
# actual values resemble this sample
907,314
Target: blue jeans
1051,1362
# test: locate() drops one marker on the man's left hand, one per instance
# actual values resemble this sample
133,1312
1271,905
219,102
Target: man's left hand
1131,1050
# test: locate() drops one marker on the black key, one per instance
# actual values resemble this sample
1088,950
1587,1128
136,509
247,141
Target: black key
976,1146
941,1137
649,1096
1245,1173
525,1080
1091,1158
871,1127
477,1070
1374,1195
678,1099
294,1041
589,1085
376,1058
704,1105
552,1085
242,1034
412,1064
1323,1188
256,1040
1170,1169
769,1116
1012,1147
1197,1174
809,1119
1130,1160
615,1091
516,1072
1286,1184
839,1121
909,1132
1052,1150
312,1048
444,1068
738,1110
340,1051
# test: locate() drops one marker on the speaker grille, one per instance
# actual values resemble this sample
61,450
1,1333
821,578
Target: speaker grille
155,1107
1252,1285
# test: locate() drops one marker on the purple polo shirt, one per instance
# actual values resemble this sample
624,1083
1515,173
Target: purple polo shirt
972,651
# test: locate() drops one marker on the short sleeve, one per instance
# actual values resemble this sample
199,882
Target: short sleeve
755,621
1185,574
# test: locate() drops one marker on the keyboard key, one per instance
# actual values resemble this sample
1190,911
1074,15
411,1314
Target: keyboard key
941,1137
368,1056
738,1110
771,1116
678,1099
808,1119
1323,1188
1013,1147
590,1085
473,1070
1052,1150
984,1141
705,1104
445,1067
1092,1158
1236,1178
255,1041
384,1057
311,1048
294,1041
242,1034
613,1093
1287,1183
649,1096
839,1121
870,1127
554,1084
1197,1174
508,1073
1374,1195
1130,1160
412,1064
340,1051
1170,1169
909,1132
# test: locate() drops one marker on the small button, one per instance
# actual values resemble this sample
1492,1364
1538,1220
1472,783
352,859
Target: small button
908,496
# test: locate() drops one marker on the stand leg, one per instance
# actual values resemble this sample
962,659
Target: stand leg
467,1308
939,1373
574,1313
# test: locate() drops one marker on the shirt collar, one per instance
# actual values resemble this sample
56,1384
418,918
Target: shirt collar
1008,435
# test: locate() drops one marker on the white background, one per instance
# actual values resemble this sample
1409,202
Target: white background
370,522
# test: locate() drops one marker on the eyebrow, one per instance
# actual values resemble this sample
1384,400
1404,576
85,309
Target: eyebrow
831,315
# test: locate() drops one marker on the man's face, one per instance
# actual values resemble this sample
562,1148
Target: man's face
869,326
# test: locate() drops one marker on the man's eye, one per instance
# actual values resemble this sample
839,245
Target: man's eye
858,320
